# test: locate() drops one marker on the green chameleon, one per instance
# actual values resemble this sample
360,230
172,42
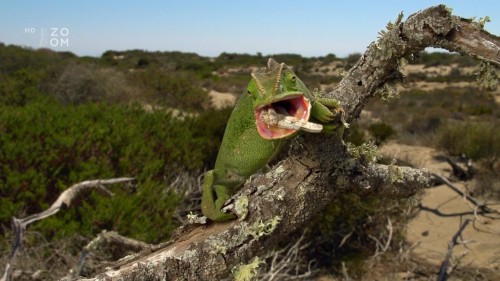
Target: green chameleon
276,106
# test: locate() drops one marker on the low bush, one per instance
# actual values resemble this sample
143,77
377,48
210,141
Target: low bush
427,122
479,141
45,147
381,132
82,83
356,134
179,89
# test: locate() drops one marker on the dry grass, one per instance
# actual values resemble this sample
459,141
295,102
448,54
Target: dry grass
40,259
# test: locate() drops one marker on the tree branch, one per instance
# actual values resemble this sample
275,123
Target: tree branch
443,274
317,168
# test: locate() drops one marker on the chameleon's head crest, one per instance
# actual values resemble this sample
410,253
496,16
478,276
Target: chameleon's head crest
269,78
272,64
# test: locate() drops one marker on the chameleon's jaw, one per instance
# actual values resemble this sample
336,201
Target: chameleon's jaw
296,107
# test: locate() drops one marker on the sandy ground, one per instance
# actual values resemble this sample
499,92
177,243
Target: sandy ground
430,233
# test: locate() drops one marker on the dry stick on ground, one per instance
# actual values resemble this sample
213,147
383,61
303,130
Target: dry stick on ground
443,274
381,248
459,172
65,199
286,263
317,168
483,207
107,243
437,212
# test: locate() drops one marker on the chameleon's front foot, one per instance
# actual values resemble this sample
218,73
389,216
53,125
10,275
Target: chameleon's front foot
210,206
329,112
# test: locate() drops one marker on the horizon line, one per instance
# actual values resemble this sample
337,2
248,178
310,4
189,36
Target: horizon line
257,53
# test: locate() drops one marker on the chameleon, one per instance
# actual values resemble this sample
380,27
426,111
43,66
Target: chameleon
275,107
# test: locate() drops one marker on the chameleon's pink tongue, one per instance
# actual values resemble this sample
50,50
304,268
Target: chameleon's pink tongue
297,107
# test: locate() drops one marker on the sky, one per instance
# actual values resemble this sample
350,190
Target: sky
306,27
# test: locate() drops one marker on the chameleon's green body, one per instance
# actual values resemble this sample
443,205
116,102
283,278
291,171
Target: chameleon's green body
245,149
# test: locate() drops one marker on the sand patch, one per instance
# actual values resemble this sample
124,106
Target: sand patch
442,214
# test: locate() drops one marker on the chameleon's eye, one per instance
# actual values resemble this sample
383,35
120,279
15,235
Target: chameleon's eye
290,77
249,93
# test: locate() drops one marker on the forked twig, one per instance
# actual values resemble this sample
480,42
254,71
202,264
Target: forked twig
287,264
383,248
443,275
105,242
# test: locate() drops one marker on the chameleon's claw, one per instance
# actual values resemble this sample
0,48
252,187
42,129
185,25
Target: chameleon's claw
342,118
327,110
228,208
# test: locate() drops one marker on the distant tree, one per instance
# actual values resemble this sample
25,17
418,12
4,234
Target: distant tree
329,58
381,132
351,60
142,62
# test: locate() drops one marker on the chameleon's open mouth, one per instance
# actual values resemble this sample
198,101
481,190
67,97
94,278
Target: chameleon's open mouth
284,117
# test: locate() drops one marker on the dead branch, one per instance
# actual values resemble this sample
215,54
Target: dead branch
381,248
459,172
287,264
443,271
483,207
109,246
64,200
317,168
191,186
437,212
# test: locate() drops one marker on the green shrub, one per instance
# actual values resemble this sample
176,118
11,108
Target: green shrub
381,132
25,73
20,86
356,135
478,141
45,147
351,60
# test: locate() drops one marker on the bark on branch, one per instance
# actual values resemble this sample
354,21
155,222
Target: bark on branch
317,168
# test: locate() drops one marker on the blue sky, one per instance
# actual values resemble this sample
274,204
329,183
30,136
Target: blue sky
306,27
